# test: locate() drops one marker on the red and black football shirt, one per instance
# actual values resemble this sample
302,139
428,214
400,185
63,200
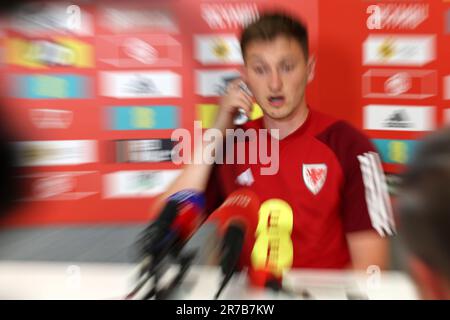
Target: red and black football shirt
329,183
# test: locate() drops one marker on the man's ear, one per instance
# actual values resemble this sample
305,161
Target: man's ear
431,284
311,68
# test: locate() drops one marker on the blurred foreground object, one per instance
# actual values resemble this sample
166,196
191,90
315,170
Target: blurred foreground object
424,209
162,241
9,184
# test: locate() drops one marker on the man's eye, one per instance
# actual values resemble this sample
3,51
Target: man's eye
259,70
287,67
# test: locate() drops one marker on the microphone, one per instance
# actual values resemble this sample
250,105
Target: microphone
178,220
237,218
166,235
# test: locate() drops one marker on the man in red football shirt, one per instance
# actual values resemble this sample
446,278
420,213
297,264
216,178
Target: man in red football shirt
327,205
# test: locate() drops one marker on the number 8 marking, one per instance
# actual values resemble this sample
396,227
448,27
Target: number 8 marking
273,245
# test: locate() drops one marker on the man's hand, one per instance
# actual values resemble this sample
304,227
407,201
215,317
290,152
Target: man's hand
233,99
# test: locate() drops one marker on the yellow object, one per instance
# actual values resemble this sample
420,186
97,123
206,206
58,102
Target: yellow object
207,113
143,118
41,54
273,245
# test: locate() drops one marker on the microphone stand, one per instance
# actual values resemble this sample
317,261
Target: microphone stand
185,263
154,271
225,281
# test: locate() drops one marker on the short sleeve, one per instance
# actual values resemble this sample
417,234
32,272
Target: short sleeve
365,201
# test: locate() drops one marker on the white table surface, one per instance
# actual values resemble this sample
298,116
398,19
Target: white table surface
45,280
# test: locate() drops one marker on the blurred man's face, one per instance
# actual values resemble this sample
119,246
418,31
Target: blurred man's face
277,72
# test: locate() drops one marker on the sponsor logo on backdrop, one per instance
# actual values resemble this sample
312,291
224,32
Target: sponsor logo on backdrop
54,153
399,118
143,117
46,86
146,50
218,49
212,83
402,84
129,184
395,151
126,84
51,118
153,150
399,50
447,88
60,186
229,15
396,16
124,19
207,114
44,18
63,52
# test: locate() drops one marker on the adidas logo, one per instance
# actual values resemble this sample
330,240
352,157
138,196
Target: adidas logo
399,119
245,178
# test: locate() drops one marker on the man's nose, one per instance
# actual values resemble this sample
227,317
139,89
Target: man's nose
275,82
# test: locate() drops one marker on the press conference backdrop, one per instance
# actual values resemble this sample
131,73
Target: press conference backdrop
94,89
